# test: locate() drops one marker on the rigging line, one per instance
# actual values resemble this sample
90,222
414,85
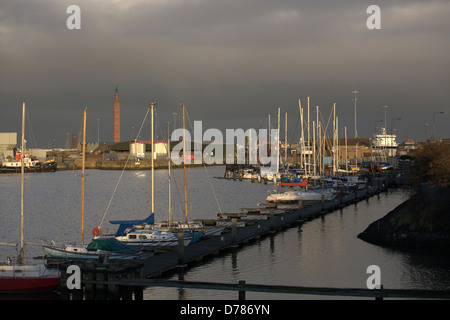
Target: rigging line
79,132
204,166
180,198
123,170
31,128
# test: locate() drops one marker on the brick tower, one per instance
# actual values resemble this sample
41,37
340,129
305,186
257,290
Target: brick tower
116,107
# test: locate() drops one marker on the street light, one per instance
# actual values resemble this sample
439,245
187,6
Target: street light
434,122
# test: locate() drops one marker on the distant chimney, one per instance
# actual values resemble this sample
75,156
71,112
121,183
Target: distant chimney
116,119
74,141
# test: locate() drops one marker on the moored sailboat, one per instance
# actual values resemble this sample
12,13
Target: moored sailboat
20,277
194,230
99,246
141,234
302,195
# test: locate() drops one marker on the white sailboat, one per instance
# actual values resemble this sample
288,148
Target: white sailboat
20,277
309,168
302,195
194,230
142,234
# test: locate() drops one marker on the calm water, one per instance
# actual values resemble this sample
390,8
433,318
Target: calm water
323,252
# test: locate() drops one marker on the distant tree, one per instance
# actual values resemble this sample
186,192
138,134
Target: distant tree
427,209
432,165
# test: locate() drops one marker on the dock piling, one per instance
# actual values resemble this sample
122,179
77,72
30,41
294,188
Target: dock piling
113,289
180,248
241,292
233,230
272,218
323,203
300,209
138,290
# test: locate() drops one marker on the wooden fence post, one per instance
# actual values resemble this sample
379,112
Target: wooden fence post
241,292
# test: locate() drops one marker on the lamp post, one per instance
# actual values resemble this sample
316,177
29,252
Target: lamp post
426,131
434,114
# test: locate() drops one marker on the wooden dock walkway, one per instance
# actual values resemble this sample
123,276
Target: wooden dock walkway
259,222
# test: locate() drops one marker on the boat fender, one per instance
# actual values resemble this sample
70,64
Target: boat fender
95,232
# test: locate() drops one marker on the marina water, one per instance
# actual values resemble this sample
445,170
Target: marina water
323,252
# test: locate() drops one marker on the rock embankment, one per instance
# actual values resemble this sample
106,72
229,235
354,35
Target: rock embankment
418,224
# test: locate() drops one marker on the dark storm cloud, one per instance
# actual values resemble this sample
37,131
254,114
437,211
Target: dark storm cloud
231,62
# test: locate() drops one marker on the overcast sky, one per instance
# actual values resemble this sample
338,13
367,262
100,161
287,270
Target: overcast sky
231,62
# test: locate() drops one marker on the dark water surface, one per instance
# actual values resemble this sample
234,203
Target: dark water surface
324,252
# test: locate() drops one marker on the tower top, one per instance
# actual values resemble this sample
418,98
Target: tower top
116,96
116,119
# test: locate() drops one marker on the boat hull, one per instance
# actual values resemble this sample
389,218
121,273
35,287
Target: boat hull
149,244
27,279
63,254
29,285
300,196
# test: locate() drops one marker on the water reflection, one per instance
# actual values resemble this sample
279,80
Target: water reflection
323,252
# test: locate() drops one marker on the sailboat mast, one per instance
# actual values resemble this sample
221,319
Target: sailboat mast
334,138
346,151
168,167
270,141
278,145
309,144
302,139
82,175
318,140
21,255
314,150
337,145
184,165
319,148
285,138
153,164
